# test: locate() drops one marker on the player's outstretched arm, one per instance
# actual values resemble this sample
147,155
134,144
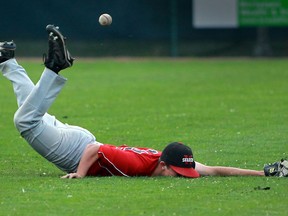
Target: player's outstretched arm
89,157
204,170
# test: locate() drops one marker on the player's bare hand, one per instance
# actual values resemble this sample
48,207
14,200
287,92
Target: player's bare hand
71,175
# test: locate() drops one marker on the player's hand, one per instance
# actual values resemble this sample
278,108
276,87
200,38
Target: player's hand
71,175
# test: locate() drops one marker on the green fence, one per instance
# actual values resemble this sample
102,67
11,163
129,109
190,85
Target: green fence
139,28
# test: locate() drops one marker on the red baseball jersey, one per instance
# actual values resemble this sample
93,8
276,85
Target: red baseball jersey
124,161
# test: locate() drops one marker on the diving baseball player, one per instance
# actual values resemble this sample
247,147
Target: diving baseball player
75,150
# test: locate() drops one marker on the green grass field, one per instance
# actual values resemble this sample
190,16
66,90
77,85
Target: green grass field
232,112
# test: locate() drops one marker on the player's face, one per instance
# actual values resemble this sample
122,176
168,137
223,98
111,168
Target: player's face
169,172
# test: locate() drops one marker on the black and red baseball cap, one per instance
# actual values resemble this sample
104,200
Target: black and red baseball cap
180,158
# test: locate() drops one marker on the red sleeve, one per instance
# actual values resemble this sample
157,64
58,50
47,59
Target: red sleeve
125,161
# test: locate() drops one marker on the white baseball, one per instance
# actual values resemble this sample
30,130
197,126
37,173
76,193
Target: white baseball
105,20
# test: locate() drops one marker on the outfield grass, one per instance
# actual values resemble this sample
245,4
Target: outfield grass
231,112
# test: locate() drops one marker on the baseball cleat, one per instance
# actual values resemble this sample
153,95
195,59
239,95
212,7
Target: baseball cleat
58,57
7,50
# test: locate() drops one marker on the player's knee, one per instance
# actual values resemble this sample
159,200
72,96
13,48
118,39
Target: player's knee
17,120
21,122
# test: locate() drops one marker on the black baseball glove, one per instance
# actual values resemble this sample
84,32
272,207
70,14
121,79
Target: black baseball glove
279,169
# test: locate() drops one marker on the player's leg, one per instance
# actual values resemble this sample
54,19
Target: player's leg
30,115
22,84
28,118
60,144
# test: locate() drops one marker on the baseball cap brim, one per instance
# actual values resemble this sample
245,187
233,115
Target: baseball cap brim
186,172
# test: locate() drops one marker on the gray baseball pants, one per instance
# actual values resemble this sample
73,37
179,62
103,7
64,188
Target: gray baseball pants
59,143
